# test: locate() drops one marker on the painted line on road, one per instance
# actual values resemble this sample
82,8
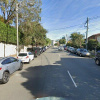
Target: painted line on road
59,55
72,79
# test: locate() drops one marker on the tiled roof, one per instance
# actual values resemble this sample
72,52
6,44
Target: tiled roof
94,35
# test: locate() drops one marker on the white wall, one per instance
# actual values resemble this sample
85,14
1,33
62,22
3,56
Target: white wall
9,49
24,49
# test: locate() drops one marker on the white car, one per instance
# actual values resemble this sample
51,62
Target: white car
60,48
26,56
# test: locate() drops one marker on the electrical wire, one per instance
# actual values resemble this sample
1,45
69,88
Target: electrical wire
68,27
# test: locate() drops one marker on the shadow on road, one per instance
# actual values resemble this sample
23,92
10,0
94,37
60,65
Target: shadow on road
46,81
53,80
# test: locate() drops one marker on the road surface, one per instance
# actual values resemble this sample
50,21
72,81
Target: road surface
54,74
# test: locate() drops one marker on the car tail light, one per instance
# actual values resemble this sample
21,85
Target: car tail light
0,68
36,51
27,57
17,57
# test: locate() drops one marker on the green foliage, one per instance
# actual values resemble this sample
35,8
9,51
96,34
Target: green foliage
33,33
92,43
56,44
62,41
69,44
30,31
48,41
77,39
7,33
1,19
28,10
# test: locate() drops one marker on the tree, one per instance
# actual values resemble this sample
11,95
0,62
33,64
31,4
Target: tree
28,10
1,19
36,35
7,34
48,41
62,41
92,44
77,39
56,44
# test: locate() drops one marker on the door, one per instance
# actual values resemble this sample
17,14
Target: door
16,63
8,64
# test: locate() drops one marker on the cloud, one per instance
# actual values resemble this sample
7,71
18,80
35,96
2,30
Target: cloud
58,14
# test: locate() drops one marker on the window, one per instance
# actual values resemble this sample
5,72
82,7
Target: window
22,54
13,59
6,61
30,53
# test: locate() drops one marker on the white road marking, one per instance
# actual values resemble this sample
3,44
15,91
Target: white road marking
59,55
72,79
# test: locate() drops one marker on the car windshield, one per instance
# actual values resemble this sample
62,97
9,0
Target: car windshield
22,54
85,50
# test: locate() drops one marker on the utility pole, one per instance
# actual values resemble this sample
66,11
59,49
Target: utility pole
87,33
66,38
17,27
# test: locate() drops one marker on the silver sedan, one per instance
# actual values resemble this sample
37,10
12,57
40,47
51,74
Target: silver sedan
9,65
85,53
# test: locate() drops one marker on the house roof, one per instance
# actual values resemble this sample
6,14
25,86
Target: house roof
98,34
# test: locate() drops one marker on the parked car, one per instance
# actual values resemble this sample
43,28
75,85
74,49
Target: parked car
65,48
60,48
34,50
68,48
44,49
71,49
26,56
41,50
74,50
85,53
9,65
79,50
97,58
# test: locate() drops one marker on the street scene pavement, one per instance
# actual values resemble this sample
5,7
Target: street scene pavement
55,74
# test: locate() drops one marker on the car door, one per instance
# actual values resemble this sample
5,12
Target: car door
16,63
9,65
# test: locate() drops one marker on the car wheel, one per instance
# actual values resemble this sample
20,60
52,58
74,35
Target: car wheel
21,66
5,77
97,62
80,55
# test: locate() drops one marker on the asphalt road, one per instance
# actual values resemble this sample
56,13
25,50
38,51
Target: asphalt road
54,74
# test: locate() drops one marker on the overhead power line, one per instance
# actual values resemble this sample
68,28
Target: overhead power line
69,27
95,17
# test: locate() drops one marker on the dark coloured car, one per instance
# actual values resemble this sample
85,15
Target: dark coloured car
41,50
44,49
34,50
97,58
74,50
65,48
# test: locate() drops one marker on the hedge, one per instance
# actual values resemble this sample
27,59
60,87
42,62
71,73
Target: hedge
8,34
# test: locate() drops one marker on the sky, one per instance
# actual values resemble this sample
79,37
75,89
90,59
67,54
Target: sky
63,17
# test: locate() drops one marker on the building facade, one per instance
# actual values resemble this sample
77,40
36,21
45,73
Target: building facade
95,36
